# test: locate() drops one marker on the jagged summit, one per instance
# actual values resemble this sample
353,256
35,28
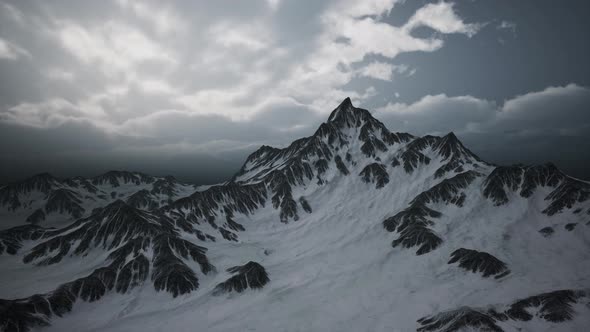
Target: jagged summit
117,178
42,182
45,198
348,115
449,145
345,126
381,220
344,107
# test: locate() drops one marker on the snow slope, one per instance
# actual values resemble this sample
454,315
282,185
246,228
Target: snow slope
356,228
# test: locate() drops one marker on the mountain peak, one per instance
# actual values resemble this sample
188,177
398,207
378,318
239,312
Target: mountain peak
449,145
344,107
451,136
434,200
346,115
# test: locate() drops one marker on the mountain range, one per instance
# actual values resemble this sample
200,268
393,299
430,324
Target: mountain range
355,228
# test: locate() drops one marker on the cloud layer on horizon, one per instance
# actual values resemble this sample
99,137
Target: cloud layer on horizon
146,84
488,128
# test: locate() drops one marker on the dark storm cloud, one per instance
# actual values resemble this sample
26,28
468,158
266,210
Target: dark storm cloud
191,87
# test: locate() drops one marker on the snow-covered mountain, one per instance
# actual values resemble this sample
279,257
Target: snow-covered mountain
354,228
48,201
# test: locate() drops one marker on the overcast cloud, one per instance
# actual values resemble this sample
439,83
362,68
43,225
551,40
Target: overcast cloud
191,87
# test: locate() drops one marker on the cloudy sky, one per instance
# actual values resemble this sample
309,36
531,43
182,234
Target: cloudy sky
189,88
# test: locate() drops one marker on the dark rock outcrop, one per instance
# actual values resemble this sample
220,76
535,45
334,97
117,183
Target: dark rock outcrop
566,195
527,179
117,178
459,319
554,307
251,275
11,239
166,186
340,165
228,235
283,197
547,231
304,204
413,223
375,173
230,222
479,261
238,198
64,201
502,178
10,194
143,200
321,166
454,154
412,159
81,183
127,233
23,314
546,175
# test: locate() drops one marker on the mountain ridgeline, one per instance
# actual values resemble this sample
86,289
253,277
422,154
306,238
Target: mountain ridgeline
354,197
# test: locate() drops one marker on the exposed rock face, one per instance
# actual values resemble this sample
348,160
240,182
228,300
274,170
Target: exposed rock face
340,165
251,275
413,223
449,149
117,178
44,194
128,233
502,178
412,159
321,165
64,201
311,157
566,194
142,200
454,154
433,189
479,261
11,194
283,197
36,310
553,307
11,239
459,319
547,231
22,315
546,175
305,205
203,204
372,145
81,183
231,223
375,173
166,186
